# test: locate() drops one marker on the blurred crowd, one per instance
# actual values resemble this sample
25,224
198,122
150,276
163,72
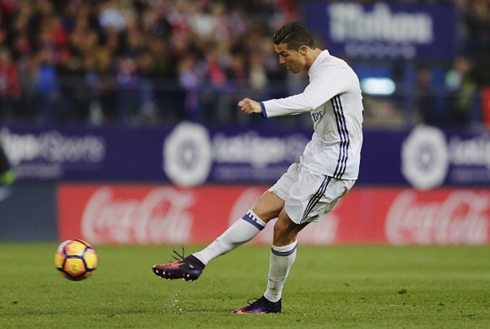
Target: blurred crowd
465,76
160,61
121,60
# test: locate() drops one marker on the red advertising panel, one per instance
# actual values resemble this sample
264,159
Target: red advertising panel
485,105
150,214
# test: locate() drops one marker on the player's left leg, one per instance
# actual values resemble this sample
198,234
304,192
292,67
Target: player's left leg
265,208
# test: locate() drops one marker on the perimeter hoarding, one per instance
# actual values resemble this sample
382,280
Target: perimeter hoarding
382,30
152,214
191,154
79,153
28,212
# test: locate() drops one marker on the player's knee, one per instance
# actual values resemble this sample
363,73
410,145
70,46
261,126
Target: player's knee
268,206
285,232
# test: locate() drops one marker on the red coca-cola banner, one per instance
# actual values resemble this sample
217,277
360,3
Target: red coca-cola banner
150,214
485,105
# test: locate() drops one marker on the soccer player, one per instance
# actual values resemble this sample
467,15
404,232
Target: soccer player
326,172
7,173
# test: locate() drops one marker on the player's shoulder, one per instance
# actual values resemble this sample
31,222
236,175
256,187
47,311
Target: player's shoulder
337,62
330,62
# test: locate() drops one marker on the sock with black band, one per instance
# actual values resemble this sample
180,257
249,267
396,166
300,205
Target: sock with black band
281,261
242,231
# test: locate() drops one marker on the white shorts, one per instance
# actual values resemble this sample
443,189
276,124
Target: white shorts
309,195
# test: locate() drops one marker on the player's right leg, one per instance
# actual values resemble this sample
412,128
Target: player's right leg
188,268
311,197
265,208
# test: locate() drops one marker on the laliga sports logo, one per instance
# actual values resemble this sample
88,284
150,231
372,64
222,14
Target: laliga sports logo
187,155
425,157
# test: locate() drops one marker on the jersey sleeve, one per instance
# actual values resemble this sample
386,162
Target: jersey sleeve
324,85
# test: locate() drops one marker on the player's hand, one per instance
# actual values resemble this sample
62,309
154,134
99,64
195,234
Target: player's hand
249,106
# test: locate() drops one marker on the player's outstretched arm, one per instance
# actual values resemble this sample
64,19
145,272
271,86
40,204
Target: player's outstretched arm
249,106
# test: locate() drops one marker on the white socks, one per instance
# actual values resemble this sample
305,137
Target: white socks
281,261
242,231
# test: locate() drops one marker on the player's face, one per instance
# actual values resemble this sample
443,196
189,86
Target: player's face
292,59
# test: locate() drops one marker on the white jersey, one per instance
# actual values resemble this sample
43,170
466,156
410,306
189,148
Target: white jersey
334,99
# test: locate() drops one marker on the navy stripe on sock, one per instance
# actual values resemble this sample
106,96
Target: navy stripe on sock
284,253
252,220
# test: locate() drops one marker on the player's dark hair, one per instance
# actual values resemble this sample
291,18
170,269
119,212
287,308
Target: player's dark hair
294,35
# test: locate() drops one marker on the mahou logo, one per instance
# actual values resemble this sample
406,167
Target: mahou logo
462,217
162,216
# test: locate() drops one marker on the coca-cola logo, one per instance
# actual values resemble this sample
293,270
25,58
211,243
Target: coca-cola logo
162,216
461,218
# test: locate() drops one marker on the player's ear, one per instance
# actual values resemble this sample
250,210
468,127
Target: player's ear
303,50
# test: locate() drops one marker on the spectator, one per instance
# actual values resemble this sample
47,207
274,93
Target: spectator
426,110
190,81
147,72
105,88
114,15
461,89
477,23
48,86
29,109
10,87
128,80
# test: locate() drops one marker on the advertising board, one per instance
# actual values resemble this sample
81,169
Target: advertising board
382,30
152,214
28,212
190,154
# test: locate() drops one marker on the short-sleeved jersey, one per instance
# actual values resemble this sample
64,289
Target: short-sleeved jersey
334,99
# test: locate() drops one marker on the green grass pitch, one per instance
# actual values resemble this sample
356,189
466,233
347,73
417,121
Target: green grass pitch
328,287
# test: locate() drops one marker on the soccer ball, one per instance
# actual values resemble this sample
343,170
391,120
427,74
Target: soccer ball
75,259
